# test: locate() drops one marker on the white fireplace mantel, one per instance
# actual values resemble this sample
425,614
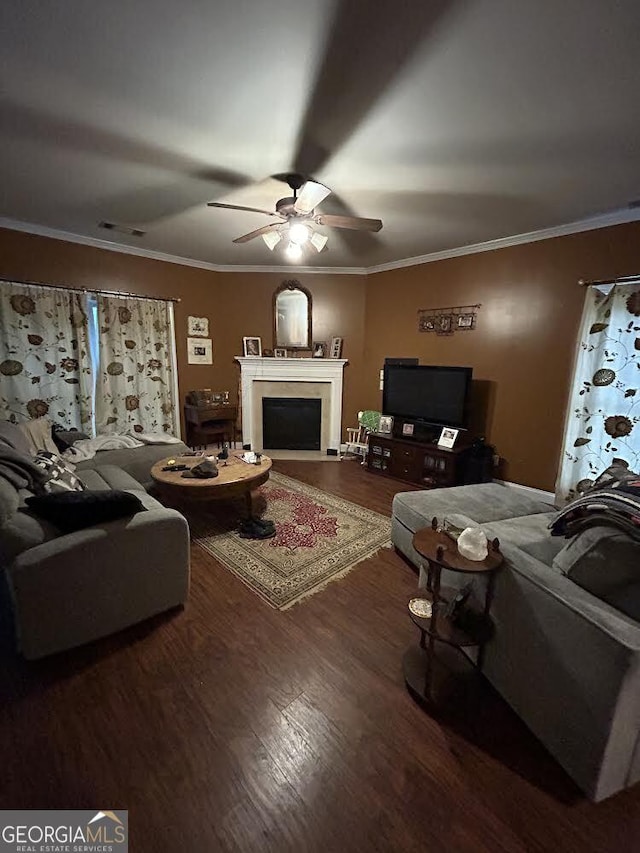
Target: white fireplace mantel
325,370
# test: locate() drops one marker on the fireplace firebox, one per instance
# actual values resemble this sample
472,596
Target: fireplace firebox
291,423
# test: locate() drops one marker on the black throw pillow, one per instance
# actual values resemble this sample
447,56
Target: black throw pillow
66,438
70,511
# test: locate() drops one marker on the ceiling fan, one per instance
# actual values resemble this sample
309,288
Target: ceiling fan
296,217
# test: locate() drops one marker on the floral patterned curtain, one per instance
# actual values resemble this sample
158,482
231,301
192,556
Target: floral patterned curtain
134,389
45,364
603,417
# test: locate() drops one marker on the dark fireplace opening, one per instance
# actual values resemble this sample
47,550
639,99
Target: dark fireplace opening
291,423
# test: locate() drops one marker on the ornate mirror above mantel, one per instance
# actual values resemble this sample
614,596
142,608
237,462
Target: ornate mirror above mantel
292,316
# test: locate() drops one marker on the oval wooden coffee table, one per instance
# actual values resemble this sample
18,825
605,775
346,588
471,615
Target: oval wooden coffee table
235,479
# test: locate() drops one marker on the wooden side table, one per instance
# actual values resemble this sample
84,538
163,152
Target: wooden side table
205,424
440,551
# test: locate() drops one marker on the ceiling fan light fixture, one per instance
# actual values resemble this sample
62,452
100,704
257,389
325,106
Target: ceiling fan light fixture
271,238
310,196
294,251
298,233
318,241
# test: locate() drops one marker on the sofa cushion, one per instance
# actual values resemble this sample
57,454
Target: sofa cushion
606,562
106,477
70,511
8,500
136,461
483,502
38,435
61,477
13,436
529,533
22,531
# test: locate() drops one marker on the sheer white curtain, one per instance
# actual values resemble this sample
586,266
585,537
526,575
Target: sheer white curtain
135,387
45,363
603,415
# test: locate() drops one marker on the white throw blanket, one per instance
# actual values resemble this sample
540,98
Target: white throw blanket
87,448
157,438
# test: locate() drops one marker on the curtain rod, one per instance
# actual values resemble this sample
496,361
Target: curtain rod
629,279
90,290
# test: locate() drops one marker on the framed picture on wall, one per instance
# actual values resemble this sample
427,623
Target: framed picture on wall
252,347
444,325
199,351
466,321
198,326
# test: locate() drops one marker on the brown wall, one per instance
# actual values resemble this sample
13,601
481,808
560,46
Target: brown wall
237,304
521,351
523,347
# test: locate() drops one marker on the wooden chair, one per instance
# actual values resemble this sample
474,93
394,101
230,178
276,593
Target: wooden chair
357,445
206,434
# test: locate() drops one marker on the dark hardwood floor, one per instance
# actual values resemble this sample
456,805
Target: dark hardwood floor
231,726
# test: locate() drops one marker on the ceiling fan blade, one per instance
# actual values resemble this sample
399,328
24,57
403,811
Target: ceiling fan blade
257,233
310,196
370,57
242,207
356,223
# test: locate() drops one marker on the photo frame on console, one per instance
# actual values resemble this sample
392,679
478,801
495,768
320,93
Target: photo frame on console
386,424
448,437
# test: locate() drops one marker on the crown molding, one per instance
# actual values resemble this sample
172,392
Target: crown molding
108,245
289,268
618,217
97,243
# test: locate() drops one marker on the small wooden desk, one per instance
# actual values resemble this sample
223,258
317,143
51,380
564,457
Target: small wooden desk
210,423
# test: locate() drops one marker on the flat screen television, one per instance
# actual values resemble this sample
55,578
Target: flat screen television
434,395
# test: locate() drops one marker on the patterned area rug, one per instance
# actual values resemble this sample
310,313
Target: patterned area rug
319,537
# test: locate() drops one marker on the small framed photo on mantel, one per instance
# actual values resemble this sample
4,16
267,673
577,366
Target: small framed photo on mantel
252,347
448,437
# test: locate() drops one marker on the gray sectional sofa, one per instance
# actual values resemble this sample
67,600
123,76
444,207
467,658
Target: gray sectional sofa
69,589
567,661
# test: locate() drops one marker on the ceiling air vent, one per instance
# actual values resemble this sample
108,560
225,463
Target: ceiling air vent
122,229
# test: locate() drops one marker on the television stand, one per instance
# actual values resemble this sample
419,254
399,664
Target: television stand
425,464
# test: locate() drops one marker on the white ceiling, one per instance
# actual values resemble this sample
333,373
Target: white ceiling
454,121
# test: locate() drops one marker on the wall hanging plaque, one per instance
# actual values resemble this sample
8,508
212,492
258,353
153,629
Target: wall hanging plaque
446,321
198,326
